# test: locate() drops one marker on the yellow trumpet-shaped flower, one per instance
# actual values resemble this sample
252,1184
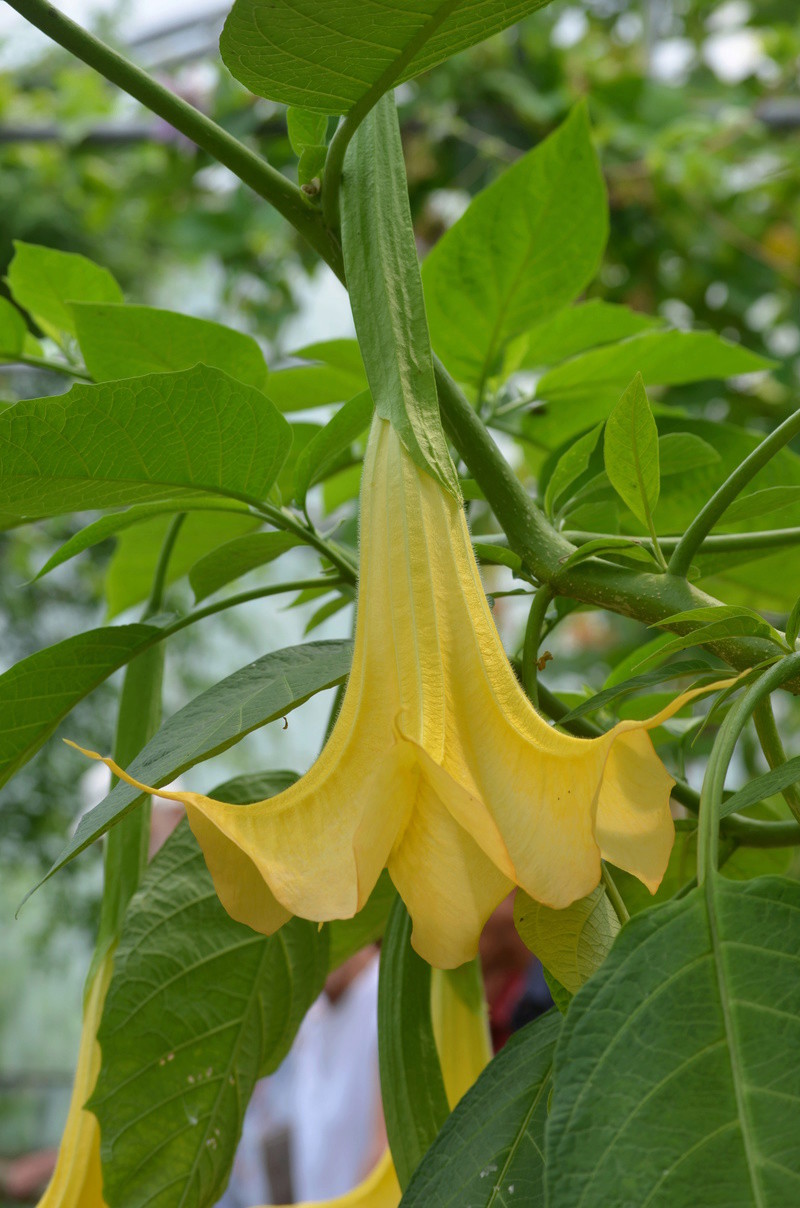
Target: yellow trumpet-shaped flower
438,766
462,1039
77,1180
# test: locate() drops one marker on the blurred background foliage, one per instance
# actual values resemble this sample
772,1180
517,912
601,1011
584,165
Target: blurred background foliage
696,115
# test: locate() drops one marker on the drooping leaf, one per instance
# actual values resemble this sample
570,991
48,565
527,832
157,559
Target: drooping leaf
762,786
691,1029
323,451
304,387
129,341
116,522
528,244
39,691
147,438
236,558
572,943
570,468
284,50
578,328
198,1009
490,1152
133,563
386,292
582,391
259,693
761,503
13,330
630,451
44,281
624,687
412,1088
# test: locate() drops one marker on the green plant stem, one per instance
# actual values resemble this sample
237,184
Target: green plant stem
533,637
11,359
749,832
724,496
155,601
249,167
714,543
773,750
283,519
712,793
614,895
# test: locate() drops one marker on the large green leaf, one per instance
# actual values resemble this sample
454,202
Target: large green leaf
147,438
199,1008
677,1075
259,693
490,1152
581,391
527,245
128,341
383,278
322,453
328,58
578,328
303,387
630,451
236,558
412,1088
44,281
38,692
13,331
571,943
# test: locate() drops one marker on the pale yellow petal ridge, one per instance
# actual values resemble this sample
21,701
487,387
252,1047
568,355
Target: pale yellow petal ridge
77,1180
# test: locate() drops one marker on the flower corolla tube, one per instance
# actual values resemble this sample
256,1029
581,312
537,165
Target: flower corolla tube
438,766
77,1180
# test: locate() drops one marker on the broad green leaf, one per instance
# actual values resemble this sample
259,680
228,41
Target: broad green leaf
412,1088
630,452
572,943
578,328
348,936
198,1009
679,452
760,503
691,1030
236,558
489,1153
306,129
116,522
13,330
129,341
763,786
342,354
259,693
44,282
147,438
133,563
582,391
325,449
285,51
305,387
570,467
39,691
382,269
526,246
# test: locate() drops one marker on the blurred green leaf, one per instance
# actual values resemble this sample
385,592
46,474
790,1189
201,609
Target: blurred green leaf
13,330
527,245
236,558
578,328
129,341
44,281
631,452
325,449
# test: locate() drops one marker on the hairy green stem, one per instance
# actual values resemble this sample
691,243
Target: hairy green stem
249,167
773,750
724,496
533,637
712,793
